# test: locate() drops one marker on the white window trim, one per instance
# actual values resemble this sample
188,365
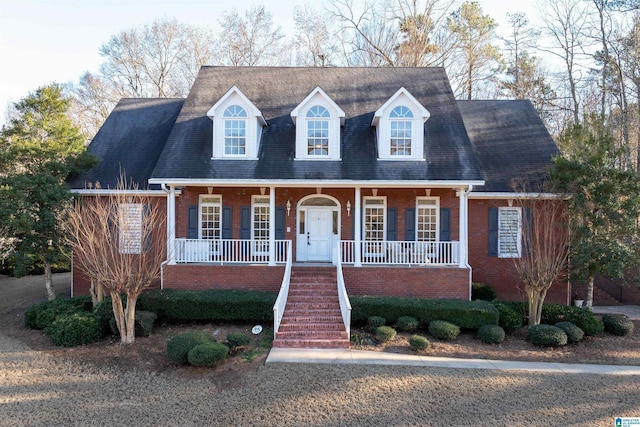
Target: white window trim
130,228
384,216
261,246
519,232
437,208
201,204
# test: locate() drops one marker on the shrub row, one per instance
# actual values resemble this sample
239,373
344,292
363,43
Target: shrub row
546,335
230,305
617,324
466,314
491,334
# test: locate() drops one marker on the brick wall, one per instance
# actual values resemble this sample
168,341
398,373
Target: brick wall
245,277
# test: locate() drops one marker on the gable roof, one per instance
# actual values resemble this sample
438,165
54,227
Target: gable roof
511,140
276,91
131,139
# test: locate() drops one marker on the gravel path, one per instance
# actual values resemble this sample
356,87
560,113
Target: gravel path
39,390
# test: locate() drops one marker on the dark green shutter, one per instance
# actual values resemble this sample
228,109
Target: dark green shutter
245,222
493,231
445,224
392,224
410,224
280,223
227,222
192,226
527,231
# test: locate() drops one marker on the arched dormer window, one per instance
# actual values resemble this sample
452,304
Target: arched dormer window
237,127
318,131
399,124
401,121
318,120
235,130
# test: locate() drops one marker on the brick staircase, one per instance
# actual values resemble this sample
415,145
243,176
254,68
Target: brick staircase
602,298
312,317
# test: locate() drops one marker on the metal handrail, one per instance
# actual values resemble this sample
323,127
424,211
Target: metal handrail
345,304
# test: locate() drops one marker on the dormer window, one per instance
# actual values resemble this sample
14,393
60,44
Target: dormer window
235,130
401,121
399,126
318,131
237,127
318,120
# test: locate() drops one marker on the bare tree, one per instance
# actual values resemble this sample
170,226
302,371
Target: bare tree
545,250
93,99
315,38
252,40
117,242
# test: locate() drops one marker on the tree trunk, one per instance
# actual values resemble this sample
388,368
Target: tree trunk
535,308
130,319
118,312
97,293
47,281
590,291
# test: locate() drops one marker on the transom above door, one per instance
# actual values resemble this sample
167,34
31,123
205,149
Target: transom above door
317,228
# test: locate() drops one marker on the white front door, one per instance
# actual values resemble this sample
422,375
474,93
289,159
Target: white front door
319,233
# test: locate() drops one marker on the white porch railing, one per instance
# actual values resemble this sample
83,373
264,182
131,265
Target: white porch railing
229,251
281,301
402,253
345,305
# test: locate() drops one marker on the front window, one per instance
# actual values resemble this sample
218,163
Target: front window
260,230
401,121
509,232
235,130
374,218
427,218
318,131
210,212
130,228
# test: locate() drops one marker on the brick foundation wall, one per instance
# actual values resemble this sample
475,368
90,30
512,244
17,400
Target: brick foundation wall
405,282
199,277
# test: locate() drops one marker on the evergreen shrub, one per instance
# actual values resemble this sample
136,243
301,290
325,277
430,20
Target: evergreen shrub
444,330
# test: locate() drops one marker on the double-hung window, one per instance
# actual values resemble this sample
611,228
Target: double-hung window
210,217
401,122
509,232
130,228
318,131
374,225
235,130
260,228
427,219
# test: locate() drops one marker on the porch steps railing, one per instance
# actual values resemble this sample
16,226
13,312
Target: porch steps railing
312,316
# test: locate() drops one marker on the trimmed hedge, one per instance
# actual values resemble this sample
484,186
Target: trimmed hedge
384,333
491,334
419,343
74,329
444,330
509,320
179,346
546,335
617,324
585,320
466,314
40,316
407,323
207,354
229,305
482,291
574,333
375,321
238,339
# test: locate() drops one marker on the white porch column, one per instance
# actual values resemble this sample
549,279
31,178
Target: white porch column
357,235
272,226
463,194
171,225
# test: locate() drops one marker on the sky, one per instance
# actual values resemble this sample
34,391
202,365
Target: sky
46,41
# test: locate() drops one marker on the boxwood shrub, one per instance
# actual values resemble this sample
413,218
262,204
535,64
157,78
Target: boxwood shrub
574,333
585,320
74,329
617,324
491,334
375,321
444,330
546,335
238,339
207,354
179,346
419,343
41,315
407,323
510,320
384,333
482,291
230,305
466,314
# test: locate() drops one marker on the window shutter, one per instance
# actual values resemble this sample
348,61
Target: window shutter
227,222
527,231
192,226
392,224
280,223
410,224
146,213
445,224
493,231
245,222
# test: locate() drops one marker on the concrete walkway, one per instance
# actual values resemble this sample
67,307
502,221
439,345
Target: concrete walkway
631,311
360,357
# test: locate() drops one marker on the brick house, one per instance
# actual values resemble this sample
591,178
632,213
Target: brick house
378,171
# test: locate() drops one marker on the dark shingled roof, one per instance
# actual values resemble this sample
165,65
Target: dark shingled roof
276,91
511,141
131,138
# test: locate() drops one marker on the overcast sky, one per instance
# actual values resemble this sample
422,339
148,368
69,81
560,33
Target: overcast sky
45,41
